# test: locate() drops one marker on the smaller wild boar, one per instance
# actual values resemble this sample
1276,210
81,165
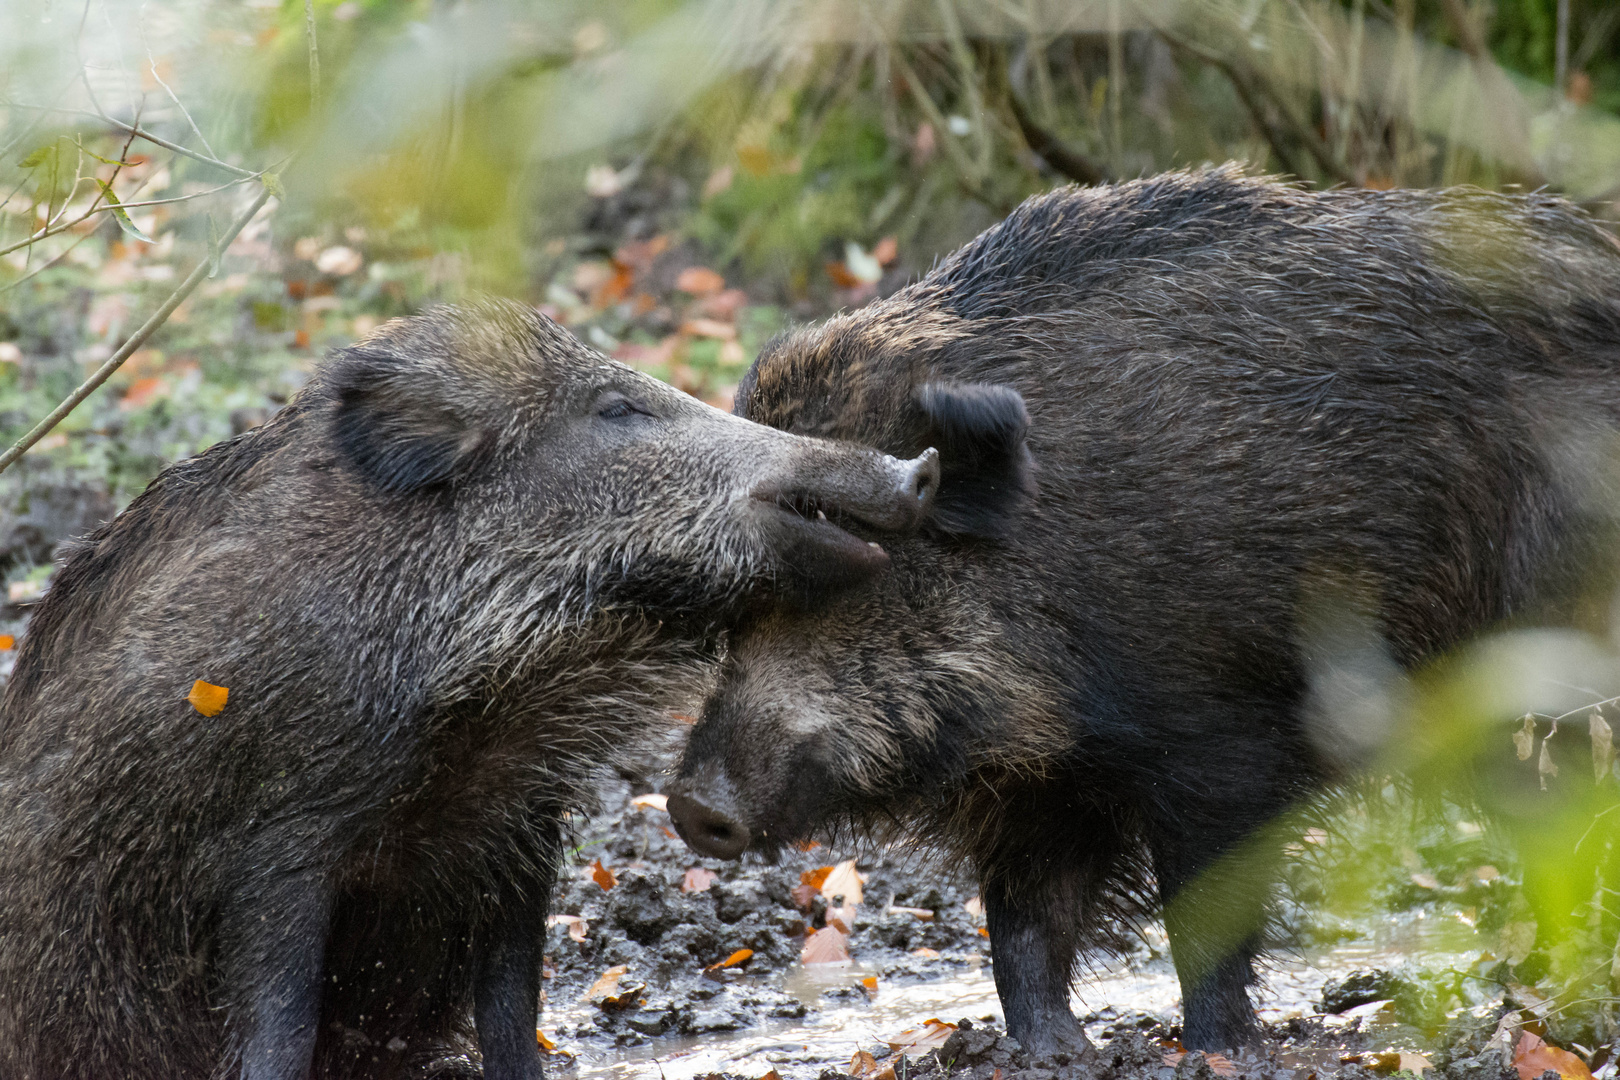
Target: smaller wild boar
1177,418
464,570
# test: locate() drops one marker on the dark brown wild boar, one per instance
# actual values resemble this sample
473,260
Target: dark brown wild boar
1175,418
463,571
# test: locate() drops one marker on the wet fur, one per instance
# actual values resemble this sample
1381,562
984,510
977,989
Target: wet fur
1236,390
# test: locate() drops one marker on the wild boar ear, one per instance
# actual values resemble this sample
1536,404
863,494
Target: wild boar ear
986,472
394,423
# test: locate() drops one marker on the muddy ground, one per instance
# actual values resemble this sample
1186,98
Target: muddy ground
636,988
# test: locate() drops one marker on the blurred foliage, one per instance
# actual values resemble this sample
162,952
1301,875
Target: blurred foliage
677,180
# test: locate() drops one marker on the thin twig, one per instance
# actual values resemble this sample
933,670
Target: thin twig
97,208
314,57
246,174
185,112
41,268
137,339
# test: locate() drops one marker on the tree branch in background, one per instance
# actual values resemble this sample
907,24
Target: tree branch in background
1471,39
1251,88
1071,163
314,57
138,338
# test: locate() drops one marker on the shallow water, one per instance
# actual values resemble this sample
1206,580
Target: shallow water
840,1025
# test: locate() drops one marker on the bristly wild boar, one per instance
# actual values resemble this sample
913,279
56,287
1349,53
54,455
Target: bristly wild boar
465,569
1092,675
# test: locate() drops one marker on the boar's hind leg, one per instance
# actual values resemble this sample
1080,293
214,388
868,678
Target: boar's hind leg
278,957
1216,888
506,987
1034,943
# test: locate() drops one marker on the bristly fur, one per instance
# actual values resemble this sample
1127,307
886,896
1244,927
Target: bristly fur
445,591
1236,391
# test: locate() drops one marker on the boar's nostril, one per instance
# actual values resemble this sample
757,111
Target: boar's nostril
922,476
706,829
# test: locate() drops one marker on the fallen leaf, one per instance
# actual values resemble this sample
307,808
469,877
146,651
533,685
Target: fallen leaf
772,1075
718,181
918,913
1533,1056
547,969
869,984
699,281
1425,881
809,885
886,250
142,391
841,276
926,953
807,845
926,1036
864,268
207,698
603,181
615,288
984,932
638,255
338,261
606,984
651,802
974,907
862,1064
709,328
843,880
1486,872
1602,745
1524,740
741,956
825,946
7,643
603,876
669,832
1222,1066
698,879
545,1044
301,339
576,925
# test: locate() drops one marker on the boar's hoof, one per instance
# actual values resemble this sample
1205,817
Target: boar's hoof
707,830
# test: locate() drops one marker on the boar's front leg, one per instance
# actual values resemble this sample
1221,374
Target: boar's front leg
1033,915
277,956
506,988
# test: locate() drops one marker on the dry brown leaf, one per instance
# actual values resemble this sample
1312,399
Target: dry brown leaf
7,643
699,281
576,925
886,250
841,276
862,1064
772,1075
709,328
926,1036
1524,740
548,1046
809,885
807,845
207,698
1602,745
918,913
698,879
843,880
741,956
1533,1056
603,876
1545,766
825,946
606,984
651,802
926,953
974,907
1222,1066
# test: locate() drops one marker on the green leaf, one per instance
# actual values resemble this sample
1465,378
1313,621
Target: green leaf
38,157
110,161
272,184
214,246
122,215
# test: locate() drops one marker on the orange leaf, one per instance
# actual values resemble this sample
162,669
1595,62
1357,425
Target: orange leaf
1222,1066
807,845
926,953
983,932
576,925
930,1034
741,956
886,250
709,328
841,276
545,1044
651,802
7,643
603,876
698,879
207,698
699,281
141,391
1533,1056
869,984
606,984
825,946
862,1064
669,832
301,339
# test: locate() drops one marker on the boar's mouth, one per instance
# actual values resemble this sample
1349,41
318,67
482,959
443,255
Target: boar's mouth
825,524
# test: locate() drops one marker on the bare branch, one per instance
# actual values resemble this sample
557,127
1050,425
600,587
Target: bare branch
98,207
142,133
137,339
314,57
1052,150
